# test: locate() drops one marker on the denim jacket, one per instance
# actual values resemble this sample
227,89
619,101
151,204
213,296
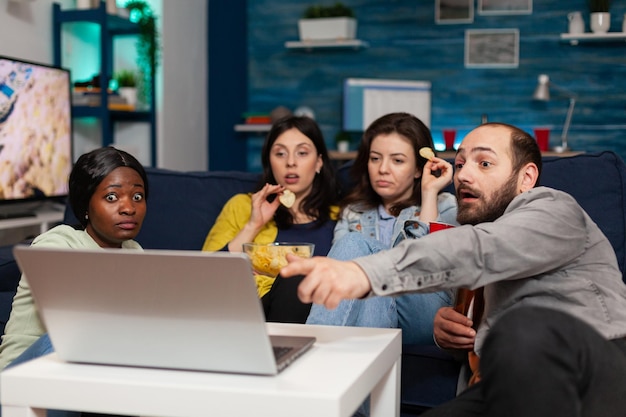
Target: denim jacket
407,225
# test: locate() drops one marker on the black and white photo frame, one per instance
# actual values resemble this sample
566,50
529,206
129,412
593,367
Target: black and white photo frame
492,48
503,7
454,11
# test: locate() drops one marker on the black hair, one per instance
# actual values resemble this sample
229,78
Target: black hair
324,191
410,128
89,171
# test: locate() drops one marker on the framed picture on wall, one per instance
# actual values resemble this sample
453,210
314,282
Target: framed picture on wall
492,48
505,6
454,11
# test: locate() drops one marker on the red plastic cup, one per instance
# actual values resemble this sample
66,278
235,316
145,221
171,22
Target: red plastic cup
449,135
436,226
542,135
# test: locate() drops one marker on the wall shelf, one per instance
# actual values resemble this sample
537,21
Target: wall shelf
575,38
252,128
309,45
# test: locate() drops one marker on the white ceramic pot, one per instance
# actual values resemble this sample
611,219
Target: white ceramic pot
576,23
130,94
325,29
343,146
600,22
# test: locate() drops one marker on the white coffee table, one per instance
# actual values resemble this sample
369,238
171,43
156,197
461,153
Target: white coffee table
332,379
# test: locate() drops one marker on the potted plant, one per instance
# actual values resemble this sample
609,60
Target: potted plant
127,85
324,23
600,18
126,78
148,45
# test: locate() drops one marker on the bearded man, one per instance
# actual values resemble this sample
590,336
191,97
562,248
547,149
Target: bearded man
552,339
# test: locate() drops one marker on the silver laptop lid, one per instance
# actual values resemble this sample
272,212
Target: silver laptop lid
156,308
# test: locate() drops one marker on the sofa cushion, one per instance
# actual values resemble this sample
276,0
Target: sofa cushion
183,206
429,378
9,278
598,182
8,269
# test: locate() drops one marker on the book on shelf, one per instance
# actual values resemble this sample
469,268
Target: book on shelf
121,107
91,97
257,118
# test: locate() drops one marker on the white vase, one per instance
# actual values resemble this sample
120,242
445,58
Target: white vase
624,24
343,146
130,94
600,22
331,28
576,23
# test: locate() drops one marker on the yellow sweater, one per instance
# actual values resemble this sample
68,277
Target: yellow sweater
231,220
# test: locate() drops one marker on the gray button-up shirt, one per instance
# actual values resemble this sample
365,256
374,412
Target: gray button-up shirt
544,251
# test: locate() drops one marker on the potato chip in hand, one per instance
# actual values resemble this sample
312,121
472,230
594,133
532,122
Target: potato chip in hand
426,153
287,198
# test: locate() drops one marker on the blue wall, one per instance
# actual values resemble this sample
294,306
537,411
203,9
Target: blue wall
406,43
227,75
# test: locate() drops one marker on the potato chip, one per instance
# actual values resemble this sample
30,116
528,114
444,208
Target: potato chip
427,153
269,259
287,198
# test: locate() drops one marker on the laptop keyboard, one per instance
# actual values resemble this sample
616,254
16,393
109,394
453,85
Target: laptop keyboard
280,351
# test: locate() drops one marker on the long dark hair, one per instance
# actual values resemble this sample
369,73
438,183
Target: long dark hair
324,189
89,171
410,128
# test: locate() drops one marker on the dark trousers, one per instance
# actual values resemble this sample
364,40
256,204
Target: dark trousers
281,303
539,362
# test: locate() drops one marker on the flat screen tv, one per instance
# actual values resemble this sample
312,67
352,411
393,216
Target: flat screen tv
35,135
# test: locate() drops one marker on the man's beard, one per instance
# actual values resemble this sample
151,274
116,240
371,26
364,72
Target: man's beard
488,210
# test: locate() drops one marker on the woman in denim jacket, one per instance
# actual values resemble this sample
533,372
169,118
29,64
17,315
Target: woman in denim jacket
398,194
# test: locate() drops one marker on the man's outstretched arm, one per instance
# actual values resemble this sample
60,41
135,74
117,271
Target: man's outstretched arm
327,281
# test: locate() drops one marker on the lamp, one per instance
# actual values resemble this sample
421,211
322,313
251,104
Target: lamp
542,93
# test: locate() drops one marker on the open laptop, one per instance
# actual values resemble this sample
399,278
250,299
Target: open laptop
155,308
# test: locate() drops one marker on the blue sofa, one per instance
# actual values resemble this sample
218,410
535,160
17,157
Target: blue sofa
183,206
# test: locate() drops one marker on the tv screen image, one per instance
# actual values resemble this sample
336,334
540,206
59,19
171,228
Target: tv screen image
35,131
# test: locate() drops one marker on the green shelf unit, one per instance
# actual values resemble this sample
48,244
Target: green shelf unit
111,26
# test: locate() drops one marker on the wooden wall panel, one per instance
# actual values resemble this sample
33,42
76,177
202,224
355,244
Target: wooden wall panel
406,43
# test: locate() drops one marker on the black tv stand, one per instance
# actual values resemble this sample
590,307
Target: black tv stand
17,215
43,216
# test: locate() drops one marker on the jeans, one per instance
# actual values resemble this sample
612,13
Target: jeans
413,313
41,347
544,363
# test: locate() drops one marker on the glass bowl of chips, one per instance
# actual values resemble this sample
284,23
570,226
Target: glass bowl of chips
267,259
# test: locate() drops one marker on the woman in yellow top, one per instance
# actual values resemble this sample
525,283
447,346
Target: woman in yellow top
294,158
